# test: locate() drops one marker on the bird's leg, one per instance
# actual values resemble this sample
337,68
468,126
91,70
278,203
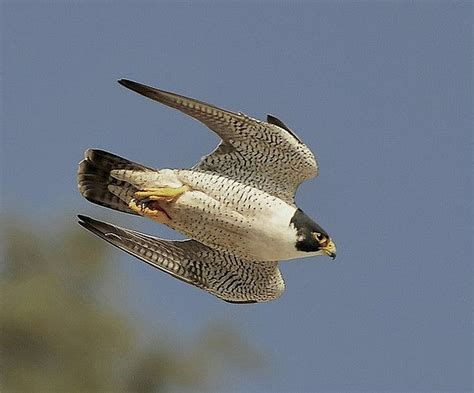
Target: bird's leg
163,193
147,202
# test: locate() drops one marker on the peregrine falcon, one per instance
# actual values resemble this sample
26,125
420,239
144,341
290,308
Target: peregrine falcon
236,204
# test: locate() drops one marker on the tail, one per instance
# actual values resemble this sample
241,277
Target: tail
96,184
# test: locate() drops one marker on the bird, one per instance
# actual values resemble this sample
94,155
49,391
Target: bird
236,205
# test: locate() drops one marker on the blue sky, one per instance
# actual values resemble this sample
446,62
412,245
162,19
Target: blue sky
380,91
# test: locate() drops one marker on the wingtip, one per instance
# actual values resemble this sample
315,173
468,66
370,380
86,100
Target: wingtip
137,87
84,221
88,221
99,228
129,84
126,82
82,217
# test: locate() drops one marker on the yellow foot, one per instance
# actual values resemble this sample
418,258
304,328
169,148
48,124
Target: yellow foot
159,194
153,212
147,202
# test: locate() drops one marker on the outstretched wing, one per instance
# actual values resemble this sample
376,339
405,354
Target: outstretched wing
265,155
223,275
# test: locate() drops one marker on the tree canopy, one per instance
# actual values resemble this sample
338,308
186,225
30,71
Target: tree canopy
56,334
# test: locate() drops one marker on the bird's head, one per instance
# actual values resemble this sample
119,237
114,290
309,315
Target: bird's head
310,237
325,244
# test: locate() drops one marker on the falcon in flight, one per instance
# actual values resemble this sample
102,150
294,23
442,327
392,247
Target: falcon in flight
236,204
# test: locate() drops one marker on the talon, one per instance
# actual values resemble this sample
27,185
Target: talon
146,202
153,211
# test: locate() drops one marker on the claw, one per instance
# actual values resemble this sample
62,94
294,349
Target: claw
155,214
146,202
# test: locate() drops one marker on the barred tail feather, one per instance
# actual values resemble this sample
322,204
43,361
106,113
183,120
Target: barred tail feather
96,184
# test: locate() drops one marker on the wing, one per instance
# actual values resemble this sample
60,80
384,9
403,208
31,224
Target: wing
265,155
223,275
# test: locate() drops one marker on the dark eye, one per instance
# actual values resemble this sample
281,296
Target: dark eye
319,236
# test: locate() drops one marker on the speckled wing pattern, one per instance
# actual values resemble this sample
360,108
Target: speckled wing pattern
223,275
264,155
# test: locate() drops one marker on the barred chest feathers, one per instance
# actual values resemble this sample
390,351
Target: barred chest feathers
223,213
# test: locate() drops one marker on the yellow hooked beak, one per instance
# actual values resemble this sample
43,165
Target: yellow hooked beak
330,249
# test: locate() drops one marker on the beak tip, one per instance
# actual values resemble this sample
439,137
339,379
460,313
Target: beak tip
331,255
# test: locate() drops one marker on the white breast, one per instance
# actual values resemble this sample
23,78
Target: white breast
231,216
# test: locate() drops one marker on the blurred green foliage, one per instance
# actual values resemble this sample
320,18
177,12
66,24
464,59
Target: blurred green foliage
56,335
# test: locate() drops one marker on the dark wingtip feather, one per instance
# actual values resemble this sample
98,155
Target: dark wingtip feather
98,228
87,222
125,82
277,122
135,86
240,302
